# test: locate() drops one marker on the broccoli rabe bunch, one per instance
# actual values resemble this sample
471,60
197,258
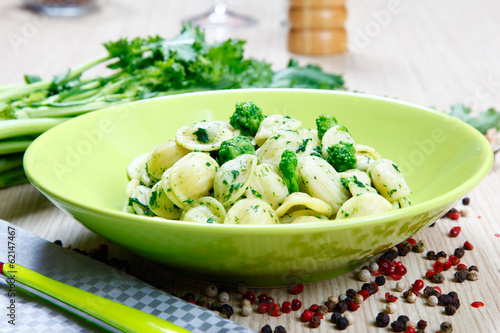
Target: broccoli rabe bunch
342,156
247,117
234,147
288,167
323,123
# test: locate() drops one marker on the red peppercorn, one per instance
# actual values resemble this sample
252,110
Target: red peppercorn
447,265
418,285
263,308
382,264
410,330
477,304
412,241
454,260
286,307
454,215
319,315
249,295
296,304
401,270
468,246
262,297
461,266
389,270
375,287
314,307
192,301
306,315
438,289
274,310
297,289
455,231
396,277
351,306
364,293
390,298
430,273
438,266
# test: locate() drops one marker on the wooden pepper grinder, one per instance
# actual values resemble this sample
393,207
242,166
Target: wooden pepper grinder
317,27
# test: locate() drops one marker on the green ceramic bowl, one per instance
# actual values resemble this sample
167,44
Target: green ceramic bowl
81,167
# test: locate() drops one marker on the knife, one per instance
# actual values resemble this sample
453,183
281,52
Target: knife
110,315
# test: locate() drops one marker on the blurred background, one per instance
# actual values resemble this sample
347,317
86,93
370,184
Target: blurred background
419,51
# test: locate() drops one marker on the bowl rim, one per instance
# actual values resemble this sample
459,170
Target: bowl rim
364,221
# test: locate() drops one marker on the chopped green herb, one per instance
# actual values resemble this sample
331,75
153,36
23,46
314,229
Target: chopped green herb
202,135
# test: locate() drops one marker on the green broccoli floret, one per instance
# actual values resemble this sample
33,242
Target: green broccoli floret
234,147
288,167
247,117
342,156
324,122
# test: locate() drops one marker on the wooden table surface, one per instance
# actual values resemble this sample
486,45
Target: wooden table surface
433,53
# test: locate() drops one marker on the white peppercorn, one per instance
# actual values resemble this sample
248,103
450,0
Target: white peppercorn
246,310
364,275
358,299
409,323
464,212
223,297
411,298
350,318
374,267
211,290
391,307
334,299
432,300
400,286
342,297
245,302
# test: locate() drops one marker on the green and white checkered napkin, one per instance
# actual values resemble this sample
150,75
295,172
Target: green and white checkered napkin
36,315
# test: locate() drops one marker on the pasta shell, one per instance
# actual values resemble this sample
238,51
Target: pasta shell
320,180
388,180
167,188
215,133
333,136
227,125
192,177
134,169
290,217
204,210
251,211
364,205
401,203
267,185
271,150
365,155
233,178
162,157
161,205
308,219
358,182
274,124
139,200
312,134
299,199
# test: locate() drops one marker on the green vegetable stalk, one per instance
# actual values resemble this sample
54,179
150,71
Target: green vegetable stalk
143,68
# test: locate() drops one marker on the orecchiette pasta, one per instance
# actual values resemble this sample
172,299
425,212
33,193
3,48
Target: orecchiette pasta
291,178
251,211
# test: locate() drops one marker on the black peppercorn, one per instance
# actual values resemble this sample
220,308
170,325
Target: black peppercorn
316,321
398,326
455,302
58,242
342,323
215,306
419,247
227,310
322,309
330,305
445,299
404,248
403,319
441,254
422,324
380,280
389,256
382,319
368,287
453,294
431,255
340,307
335,317
459,252
279,329
420,331
450,310
466,201
429,291
203,303
473,268
266,329
461,275
437,278
350,293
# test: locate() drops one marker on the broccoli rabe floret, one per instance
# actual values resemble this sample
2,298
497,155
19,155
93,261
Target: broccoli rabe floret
342,156
323,123
288,167
234,147
247,117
